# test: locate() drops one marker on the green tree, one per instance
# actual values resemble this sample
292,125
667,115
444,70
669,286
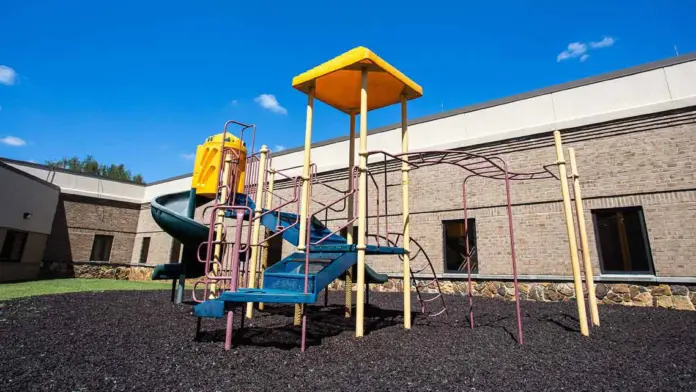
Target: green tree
90,165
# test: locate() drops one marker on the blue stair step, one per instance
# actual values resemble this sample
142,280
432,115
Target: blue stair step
345,248
267,295
210,309
288,282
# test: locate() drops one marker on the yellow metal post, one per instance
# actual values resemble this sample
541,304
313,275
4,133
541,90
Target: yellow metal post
580,214
362,209
264,256
570,227
306,183
256,233
219,222
351,199
405,216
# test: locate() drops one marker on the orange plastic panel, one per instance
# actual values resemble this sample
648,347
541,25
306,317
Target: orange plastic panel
337,82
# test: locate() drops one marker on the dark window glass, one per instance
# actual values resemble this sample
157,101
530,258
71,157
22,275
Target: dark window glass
455,250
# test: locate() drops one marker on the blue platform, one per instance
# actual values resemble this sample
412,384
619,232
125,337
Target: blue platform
284,281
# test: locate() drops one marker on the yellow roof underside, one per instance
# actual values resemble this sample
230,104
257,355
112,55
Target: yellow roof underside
337,82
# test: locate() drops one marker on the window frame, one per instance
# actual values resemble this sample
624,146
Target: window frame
94,243
144,250
643,231
474,256
23,246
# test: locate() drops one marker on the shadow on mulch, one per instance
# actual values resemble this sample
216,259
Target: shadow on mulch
322,322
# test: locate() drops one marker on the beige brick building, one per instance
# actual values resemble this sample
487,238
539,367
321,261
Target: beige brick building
634,133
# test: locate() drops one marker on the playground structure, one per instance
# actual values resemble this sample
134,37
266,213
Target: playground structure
232,259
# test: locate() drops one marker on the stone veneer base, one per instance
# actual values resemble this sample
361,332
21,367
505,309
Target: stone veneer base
677,297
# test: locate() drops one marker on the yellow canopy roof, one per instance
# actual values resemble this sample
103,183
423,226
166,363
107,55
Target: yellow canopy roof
337,82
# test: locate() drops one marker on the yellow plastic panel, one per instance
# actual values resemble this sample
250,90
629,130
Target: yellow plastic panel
206,170
337,82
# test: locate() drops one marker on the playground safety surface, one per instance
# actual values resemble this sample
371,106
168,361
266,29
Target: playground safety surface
118,341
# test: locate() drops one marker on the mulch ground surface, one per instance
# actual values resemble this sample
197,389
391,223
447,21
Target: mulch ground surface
125,341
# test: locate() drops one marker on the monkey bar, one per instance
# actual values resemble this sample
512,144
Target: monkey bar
475,165
496,168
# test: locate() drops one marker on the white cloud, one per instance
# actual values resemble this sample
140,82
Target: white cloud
13,141
234,102
8,76
188,157
278,147
579,49
575,49
605,43
269,101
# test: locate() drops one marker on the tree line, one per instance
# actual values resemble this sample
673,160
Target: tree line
90,165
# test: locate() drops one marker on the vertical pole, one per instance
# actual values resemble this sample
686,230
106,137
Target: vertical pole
264,255
580,213
191,207
570,228
513,256
351,212
173,290
256,233
190,213
468,256
306,183
239,228
228,330
362,210
405,217
219,221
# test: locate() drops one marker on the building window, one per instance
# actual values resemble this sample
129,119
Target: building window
144,249
13,246
101,247
175,252
622,241
454,244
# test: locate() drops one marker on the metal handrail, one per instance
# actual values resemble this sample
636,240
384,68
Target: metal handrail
308,237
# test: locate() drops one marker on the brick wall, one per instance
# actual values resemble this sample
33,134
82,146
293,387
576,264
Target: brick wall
78,219
644,162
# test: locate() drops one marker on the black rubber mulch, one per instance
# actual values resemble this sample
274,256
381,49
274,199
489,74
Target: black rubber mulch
140,341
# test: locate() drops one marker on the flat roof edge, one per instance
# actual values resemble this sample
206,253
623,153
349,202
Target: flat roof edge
66,171
29,176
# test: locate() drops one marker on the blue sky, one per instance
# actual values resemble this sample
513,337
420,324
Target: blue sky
142,83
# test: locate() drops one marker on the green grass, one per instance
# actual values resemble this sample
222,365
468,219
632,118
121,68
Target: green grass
60,286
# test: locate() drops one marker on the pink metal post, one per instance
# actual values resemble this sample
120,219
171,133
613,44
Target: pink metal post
512,254
235,276
468,256
228,331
